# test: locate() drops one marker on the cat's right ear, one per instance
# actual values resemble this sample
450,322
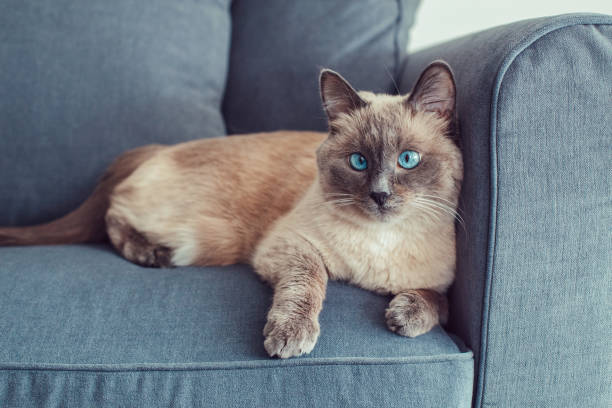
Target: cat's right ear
337,95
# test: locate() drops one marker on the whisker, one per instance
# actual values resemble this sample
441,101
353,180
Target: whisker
441,207
444,207
345,201
427,213
393,80
338,202
449,202
438,198
338,195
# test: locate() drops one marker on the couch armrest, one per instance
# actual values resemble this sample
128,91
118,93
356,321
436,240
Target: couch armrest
532,294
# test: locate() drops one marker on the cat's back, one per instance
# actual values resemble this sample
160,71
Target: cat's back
230,188
239,165
250,175
252,152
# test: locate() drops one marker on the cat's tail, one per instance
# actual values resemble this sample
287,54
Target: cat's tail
86,223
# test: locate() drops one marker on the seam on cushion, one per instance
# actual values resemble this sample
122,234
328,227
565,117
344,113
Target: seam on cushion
398,21
240,365
507,61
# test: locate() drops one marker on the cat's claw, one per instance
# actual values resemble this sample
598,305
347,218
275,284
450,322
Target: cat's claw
289,336
409,315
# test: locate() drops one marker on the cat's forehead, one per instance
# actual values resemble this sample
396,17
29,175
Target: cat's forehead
388,123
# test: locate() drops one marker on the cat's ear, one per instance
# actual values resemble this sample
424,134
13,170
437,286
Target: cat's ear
435,90
337,95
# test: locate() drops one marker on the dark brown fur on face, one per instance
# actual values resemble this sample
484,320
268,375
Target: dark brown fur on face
380,132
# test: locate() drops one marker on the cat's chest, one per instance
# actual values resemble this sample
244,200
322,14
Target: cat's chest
375,258
379,247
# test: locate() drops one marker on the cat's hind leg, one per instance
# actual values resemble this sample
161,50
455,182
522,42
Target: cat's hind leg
135,246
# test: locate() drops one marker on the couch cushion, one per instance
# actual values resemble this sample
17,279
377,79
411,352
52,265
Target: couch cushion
83,81
82,327
278,50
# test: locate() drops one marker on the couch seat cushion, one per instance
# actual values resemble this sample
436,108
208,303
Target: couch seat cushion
80,326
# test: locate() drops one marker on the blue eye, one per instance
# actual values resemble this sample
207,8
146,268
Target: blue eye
409,159
358,162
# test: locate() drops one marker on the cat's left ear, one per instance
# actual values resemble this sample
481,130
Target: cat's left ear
435,91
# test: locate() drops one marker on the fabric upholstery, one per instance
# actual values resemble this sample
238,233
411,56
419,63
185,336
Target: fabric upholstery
83,327
532,295
278,50
82,82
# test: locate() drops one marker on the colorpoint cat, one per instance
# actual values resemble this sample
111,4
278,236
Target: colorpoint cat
371,202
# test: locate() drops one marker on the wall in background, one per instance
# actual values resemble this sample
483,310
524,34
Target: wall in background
441,20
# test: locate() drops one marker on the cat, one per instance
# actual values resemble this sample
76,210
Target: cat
371,202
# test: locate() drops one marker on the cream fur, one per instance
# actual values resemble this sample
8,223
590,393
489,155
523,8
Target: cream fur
383,257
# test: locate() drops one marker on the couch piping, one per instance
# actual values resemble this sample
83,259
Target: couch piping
507,61
240,365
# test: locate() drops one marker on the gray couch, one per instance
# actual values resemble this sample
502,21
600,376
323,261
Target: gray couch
81,82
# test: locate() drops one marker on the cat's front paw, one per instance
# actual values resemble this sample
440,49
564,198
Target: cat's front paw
290,336
410,315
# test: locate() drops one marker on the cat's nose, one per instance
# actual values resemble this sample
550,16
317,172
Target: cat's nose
379,197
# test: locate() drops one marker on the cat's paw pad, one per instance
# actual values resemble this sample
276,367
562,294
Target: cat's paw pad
290,336
410,315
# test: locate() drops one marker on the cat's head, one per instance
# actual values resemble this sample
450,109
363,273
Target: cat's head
390,157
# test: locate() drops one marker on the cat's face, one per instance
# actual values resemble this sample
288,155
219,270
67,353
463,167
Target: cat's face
391,157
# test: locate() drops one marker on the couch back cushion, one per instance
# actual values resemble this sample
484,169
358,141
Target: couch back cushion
83,81
279,48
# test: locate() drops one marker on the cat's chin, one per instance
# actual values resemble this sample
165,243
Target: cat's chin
370,214
356,213
385,217
382,215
